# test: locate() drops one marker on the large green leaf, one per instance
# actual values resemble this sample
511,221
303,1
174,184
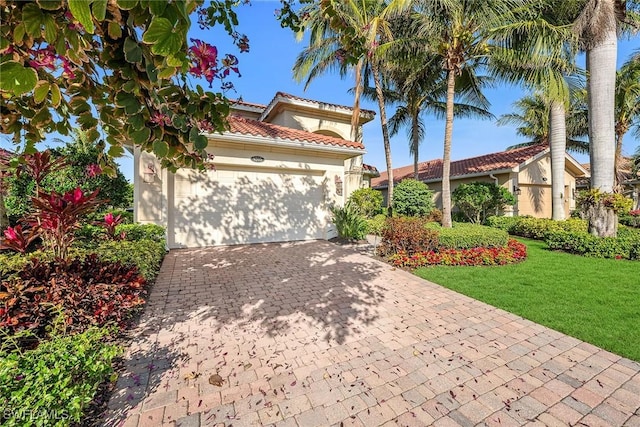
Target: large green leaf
201,142
81,11
137,121
127,4
41,91
157,7
50,4
99,9
115,151
115,32
161,35
50,29
16,79
141,136
132,51
56,96
33,19
160,148
129,102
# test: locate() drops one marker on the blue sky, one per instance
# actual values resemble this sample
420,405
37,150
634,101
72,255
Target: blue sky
266,69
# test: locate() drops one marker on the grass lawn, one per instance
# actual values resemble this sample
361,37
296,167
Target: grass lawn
595,300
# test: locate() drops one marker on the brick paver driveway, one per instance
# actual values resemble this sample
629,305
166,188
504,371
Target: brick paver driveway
313,334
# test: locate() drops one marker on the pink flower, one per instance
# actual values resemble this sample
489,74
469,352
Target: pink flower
160,119
43,58
10,233
108,219
94,170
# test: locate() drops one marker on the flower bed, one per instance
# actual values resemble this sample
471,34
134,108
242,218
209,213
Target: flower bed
513,252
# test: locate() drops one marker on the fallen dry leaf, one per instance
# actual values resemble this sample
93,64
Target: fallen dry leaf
216,380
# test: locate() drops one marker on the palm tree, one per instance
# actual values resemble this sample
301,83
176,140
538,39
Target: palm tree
597,27
627,113
460,33
531,118
359,28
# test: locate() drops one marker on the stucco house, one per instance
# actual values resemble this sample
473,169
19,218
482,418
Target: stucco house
277,172
524,171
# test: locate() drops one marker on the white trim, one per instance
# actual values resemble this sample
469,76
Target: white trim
284,143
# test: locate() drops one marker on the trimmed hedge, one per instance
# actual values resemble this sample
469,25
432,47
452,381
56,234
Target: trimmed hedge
467,236
622,247
94,233
407,234
535,228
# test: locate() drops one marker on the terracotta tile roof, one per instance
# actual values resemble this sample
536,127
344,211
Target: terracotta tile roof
432,169
248,104
298,98
247,126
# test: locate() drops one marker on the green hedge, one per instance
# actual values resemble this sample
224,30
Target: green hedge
535,228
145,254
467,236
53,384
625,246
94,234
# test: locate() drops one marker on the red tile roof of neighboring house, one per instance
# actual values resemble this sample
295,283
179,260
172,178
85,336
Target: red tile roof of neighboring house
248,104
432,169
298,98
246,126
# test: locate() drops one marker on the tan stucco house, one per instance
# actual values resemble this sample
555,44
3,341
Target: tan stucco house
524,171
277,172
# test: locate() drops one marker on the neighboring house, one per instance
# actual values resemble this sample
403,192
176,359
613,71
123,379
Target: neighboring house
277,172
630,182
526,172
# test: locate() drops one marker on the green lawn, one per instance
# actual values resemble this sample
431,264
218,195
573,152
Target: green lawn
595,300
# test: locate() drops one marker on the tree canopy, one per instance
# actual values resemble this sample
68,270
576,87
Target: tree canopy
60,61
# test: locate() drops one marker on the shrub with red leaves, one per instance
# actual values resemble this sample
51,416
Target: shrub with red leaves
88,292
512,253
408,235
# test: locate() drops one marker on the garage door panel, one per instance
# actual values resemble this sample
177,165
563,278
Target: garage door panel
235,207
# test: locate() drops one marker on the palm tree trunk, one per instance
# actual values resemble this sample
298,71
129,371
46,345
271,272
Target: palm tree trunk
355,117
618,165
446,157
415,144
558,145
601,85
385,133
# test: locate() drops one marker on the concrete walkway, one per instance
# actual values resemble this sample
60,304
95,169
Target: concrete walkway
314,334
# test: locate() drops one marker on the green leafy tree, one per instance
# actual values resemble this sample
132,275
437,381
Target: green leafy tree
413,198
79,159
478,200
627,112
367,201
115,68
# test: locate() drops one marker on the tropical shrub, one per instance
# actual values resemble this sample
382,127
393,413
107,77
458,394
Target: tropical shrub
376,224
478,200
91,235
412,198
535,228
467,236
625,246
408,235
513,252
17,239
54,383
367,201
127,216
631,219
86,293
145,254
349,222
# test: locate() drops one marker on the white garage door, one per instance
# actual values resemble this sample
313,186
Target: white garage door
227,207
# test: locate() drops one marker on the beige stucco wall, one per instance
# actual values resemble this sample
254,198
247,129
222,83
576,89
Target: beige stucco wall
322,172
313,122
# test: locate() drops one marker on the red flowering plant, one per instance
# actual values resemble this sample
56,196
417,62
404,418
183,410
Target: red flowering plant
512,253
58,215
109,223
18,239
635,212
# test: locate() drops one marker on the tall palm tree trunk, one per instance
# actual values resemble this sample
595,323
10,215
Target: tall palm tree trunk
415,143
355,117
619,163
558,145
446,157
601,85
385,133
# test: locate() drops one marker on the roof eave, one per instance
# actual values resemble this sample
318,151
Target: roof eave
514,169
285,143
365,117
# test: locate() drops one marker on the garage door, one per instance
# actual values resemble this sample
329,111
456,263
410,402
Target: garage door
227,207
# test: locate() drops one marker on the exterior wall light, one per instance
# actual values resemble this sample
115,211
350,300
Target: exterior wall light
257,159
517,190
149,173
